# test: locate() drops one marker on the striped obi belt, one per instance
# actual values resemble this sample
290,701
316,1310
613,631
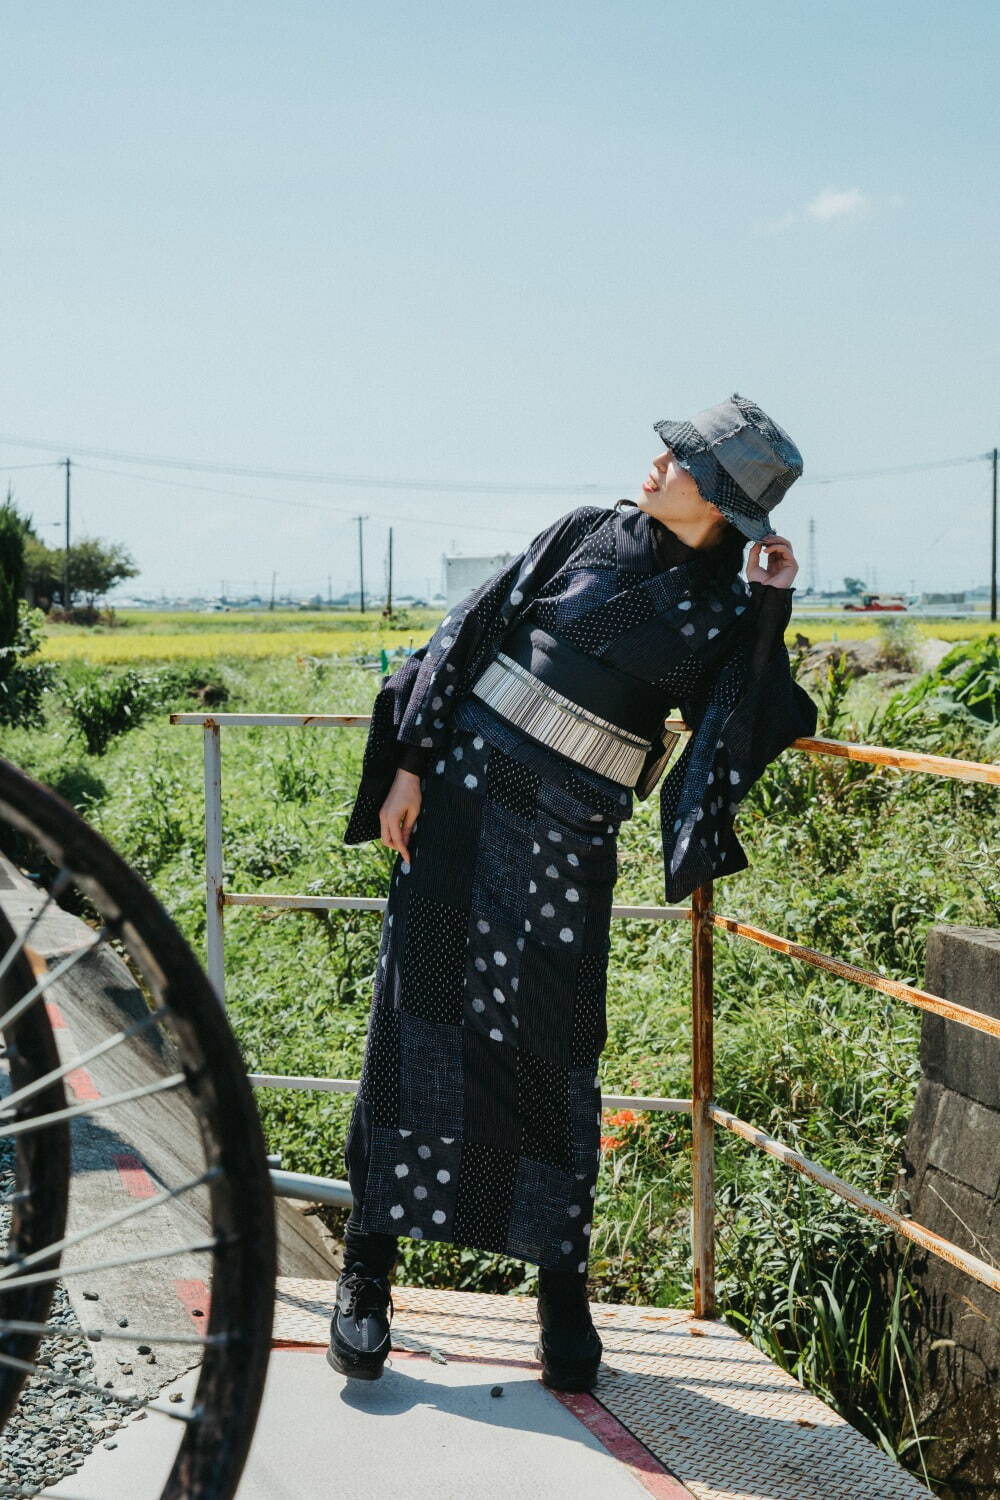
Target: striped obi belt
603,719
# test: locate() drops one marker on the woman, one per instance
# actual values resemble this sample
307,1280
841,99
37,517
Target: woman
502,759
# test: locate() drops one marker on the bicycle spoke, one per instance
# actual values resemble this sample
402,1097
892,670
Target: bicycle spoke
60,1272
71,1382
134,1209
100,1335
144,1404
30,1492
91,1106
48,979
194,1415
37,1084
112,1066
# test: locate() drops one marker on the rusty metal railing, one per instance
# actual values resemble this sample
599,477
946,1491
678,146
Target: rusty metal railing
705,1112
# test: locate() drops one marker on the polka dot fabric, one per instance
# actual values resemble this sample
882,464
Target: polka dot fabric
412,1184
477,1119
474,1033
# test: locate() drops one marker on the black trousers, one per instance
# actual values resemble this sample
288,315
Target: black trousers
378,1252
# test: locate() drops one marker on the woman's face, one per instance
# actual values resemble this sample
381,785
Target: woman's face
670,493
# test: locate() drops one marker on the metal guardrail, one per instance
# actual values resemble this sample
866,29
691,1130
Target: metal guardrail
705,1112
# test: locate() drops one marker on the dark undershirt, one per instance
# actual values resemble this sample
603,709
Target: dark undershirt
770,604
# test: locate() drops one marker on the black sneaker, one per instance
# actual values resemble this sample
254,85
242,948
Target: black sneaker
359,1328
569,1346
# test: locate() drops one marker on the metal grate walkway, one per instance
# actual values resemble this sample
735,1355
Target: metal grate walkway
689,1407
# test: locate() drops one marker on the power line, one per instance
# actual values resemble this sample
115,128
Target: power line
939,463
207,489
354,481
439,486
450,486
327,508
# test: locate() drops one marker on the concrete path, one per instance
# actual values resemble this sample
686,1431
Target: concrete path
422,1430
684,1409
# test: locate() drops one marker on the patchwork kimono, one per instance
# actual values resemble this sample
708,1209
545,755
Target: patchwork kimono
478,1116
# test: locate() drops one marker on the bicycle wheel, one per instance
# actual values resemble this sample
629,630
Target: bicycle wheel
35,1204
139,1181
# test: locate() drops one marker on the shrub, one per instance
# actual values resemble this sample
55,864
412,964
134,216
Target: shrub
11,585
102,706
969,675
263,851
899,644
21,684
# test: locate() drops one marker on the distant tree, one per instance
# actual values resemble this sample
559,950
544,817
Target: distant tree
96,566
39,578
25,522
11,584
855,586
42,571
22,683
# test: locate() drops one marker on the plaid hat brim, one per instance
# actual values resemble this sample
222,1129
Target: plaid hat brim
692,452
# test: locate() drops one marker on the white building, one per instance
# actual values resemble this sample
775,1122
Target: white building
463,574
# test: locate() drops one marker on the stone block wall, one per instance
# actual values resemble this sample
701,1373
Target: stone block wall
950,1179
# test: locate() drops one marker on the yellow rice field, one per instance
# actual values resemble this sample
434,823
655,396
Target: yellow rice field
147,636
119,647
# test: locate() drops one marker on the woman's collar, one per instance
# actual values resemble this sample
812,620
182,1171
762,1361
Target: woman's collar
725,556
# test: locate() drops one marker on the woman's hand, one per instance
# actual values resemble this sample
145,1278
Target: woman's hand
400,811
781,563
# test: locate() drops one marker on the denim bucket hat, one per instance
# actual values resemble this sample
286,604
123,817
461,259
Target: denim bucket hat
740,459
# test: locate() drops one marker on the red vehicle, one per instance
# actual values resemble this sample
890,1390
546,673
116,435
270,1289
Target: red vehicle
872,602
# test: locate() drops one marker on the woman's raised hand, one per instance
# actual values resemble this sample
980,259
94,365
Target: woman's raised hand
400,811
781,562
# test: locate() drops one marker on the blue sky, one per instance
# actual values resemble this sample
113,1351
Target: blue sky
454,246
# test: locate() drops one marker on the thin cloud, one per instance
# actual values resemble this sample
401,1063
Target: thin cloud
828,206
831,204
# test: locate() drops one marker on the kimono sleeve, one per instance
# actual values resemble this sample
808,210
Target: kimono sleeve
413,707
741,720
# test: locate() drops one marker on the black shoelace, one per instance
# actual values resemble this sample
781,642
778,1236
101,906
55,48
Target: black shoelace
367,1294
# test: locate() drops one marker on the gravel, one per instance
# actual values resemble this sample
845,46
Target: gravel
53,1427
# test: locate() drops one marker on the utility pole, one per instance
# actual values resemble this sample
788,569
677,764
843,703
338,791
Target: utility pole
388,587
993,545
329,592
274,578
812,554
65,584
361,559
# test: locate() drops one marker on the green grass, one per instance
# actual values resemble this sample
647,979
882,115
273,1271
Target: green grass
138,637
858,863
160,622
